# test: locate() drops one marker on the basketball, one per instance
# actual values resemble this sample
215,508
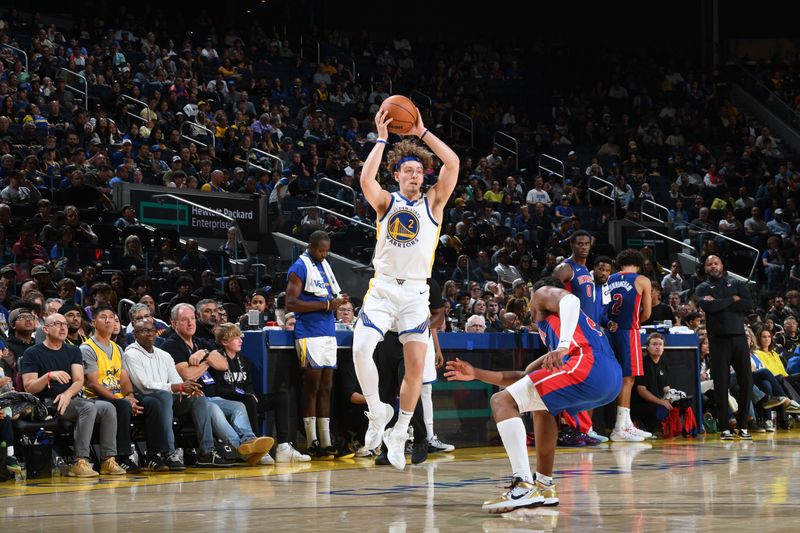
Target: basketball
403,112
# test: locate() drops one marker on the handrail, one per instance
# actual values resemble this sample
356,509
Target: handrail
597,191
542,167
19,50
352,220
471,130
143,104
212,211
428,100
341,185
515,151
265,154
195,124
682,244
659,206
85,92
731,239
771,96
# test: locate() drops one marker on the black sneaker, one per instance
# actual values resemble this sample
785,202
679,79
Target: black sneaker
156,464
173,463
212,459
129,466
419,453
344,451
726,435
318,452
743,434
382,459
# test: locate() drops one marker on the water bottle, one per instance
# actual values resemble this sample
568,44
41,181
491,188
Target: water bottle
60,466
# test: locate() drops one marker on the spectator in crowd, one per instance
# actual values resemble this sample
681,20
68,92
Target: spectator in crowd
649,405
194,360
674,282
162,392
53,371
127,217
106,381
476,324
236,384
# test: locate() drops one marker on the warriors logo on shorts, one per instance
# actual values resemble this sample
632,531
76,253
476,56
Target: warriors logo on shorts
403,228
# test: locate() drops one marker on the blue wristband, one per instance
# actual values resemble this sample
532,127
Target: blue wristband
384,141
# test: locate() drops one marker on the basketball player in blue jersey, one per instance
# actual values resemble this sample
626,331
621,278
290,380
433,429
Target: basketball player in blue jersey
408,233
577,279
575,275
578,373
631,302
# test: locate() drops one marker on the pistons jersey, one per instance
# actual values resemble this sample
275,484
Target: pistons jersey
582,286
626,301
407,238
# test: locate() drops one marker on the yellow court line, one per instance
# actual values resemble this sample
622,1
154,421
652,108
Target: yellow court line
194,475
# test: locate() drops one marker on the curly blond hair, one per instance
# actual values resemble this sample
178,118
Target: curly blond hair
406,148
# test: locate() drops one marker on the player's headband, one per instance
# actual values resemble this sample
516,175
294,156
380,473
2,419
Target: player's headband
406,159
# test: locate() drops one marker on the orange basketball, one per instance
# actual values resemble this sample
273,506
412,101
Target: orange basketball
403,112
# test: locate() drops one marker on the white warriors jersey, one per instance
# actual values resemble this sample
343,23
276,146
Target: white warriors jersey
407,238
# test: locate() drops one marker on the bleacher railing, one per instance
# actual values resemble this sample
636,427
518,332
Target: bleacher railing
127,98
195,125
767,97
558,166
456,119
702,231
260,154
599,192
84,92
331,211
513,148
18,51
333,198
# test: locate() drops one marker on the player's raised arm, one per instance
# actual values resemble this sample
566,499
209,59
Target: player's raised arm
377,197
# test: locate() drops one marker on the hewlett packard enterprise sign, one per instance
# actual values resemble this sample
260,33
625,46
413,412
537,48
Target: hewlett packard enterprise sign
192,220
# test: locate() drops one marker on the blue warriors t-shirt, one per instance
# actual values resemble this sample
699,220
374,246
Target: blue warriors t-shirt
315,323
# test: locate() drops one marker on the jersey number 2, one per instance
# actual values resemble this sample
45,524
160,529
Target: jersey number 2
617,305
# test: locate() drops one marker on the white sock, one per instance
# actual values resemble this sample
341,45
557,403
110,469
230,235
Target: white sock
628,421
544,480
373,402
402,421
622,418
512,432
426,396
310,424
324,432
10,450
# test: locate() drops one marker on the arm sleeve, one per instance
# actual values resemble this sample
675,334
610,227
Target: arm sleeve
569,309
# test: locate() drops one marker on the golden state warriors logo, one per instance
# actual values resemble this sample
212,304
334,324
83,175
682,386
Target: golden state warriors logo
403,228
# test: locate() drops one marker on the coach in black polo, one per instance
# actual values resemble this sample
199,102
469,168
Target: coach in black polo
726,301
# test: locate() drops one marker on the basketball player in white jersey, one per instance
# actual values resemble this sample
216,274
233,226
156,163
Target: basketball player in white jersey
408,232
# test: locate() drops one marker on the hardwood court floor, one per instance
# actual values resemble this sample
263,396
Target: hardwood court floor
671,486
